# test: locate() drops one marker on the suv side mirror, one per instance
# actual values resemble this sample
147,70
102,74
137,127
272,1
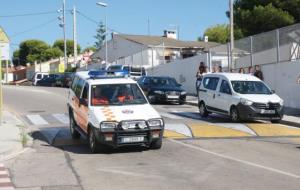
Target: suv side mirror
82,101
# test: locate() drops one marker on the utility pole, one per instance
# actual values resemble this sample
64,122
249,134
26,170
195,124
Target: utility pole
64,28
232,66
74,36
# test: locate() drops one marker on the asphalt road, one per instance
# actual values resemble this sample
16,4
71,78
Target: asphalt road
196,153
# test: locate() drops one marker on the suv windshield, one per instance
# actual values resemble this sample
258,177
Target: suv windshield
116,94
250,87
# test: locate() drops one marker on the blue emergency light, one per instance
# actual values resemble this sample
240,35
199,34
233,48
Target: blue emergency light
102,74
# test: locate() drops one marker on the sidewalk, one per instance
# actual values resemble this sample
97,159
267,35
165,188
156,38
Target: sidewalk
11,138
291,117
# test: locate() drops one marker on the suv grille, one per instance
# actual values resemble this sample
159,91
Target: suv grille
266,106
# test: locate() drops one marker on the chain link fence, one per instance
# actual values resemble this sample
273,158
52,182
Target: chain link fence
275,46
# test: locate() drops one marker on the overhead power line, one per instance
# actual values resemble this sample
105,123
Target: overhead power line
28,14
94,21
34,28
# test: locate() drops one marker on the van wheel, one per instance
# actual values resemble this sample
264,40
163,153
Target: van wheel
74,133
234,114
202,110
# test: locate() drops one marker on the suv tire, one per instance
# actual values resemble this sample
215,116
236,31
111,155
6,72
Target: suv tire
73,131
202,109
94,145
234,114
156,144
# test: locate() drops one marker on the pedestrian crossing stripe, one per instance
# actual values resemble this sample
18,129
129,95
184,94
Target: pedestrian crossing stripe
63,118
37,120
263,129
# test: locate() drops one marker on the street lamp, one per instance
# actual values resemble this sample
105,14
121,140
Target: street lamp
104,5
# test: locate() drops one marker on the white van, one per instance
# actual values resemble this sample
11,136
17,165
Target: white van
38,76
240,96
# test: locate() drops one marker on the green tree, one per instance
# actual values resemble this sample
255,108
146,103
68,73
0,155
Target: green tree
90,48
70,46
220,33
256,16
15,59
30,51
51,53
100,35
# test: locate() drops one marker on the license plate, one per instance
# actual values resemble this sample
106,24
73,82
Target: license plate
173,97
132,139
267,111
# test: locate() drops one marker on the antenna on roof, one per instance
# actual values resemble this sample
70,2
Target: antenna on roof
148,22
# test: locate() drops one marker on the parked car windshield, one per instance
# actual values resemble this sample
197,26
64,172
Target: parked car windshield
250,87
163,82
116,94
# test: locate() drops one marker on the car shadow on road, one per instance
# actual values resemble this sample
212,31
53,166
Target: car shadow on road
63,141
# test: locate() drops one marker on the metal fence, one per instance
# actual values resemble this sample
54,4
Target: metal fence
276,46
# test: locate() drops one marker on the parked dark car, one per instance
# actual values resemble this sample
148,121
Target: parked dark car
162,89
49,80
64,80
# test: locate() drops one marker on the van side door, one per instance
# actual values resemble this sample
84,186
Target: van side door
224,97
207,91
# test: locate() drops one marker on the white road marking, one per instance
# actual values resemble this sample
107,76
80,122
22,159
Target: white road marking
170,116
37,120
3,172
62,118
133,174
1,165
7,188
236,159
4,180
179,128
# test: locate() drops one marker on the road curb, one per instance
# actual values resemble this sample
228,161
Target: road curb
17,147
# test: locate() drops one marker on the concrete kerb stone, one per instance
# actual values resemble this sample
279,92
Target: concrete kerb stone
12,131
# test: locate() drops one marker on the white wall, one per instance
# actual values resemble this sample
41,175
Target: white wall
282,78
184,71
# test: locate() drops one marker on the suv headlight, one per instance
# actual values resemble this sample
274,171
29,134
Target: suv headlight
108,125
246,102
158,92
281,102
183,93
155,122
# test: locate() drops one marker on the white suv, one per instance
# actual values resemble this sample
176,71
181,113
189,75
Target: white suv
112,111
240,96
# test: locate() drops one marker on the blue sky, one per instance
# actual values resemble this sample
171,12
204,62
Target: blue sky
126,16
